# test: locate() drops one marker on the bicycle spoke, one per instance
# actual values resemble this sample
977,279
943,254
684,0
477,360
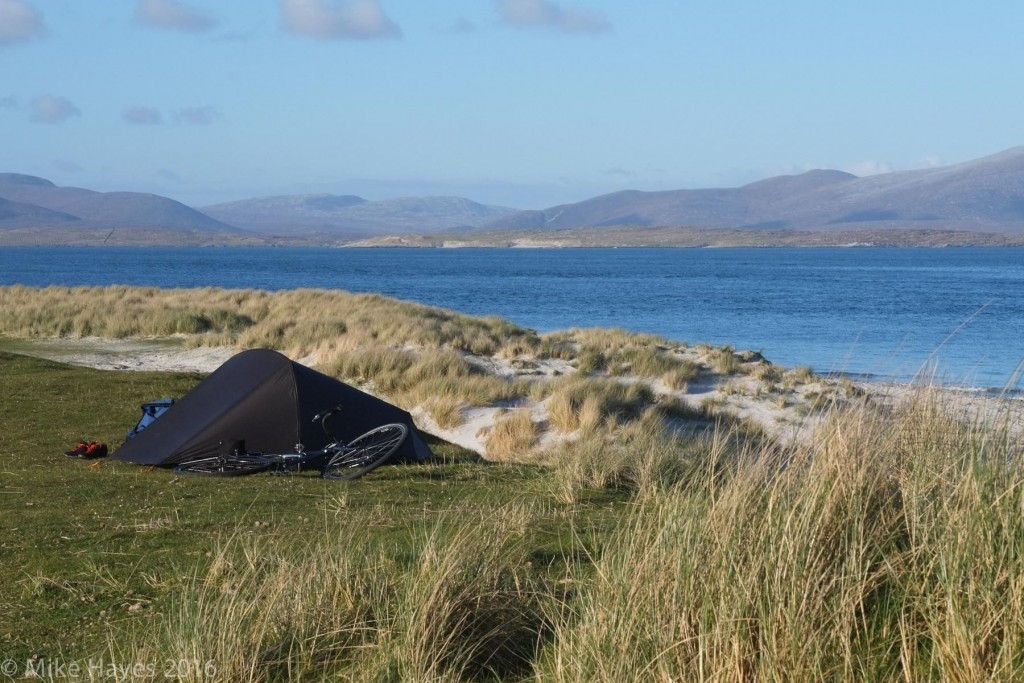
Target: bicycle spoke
234,465
367,452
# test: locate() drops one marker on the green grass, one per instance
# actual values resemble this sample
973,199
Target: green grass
83,546
889,547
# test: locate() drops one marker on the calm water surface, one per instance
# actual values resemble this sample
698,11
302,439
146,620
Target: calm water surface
878,312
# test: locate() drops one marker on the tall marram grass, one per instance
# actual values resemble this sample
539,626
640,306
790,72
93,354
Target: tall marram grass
640,457
298,321
410,352
512,436
452,605
620,352
891,549
585,403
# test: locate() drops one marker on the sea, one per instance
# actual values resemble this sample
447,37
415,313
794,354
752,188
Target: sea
952,315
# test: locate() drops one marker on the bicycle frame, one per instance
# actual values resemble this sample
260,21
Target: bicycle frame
336,460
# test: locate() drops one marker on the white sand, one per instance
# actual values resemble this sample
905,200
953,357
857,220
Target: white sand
788,418
160,355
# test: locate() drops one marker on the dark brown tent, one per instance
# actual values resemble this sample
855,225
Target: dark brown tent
269,401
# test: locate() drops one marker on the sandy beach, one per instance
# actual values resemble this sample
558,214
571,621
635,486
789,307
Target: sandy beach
787,420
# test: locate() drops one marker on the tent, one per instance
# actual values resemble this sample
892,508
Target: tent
269,401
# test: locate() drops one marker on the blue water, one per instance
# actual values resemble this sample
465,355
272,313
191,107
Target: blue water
878,312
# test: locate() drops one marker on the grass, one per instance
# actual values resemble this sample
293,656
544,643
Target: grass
251,318
890,546
767,373
429,376
886,552
620,352
446,411
578,403
103,559
798,377
453,606
413,355
679,377
512,436
724,361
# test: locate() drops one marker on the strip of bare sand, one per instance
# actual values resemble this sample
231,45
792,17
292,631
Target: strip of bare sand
787,419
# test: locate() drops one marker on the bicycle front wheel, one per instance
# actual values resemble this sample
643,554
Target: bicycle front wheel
366,452
234,465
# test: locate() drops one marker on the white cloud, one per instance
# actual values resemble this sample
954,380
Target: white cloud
197,116
867,167
872,167
19,21
930,161
338,19
172,14
53,109
143,116
547,14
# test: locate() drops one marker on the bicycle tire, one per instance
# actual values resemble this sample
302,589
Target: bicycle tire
367,452
223,466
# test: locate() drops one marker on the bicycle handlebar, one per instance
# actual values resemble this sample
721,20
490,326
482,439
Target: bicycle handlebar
322,419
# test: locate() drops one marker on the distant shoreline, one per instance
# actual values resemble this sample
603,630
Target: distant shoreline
605,237
670,237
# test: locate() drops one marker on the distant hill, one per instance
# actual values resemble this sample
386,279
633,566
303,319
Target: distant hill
71,214
351,217
982,195
21,215
37,202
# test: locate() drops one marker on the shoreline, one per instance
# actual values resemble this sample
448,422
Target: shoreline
459,244
892,351
609,237
170,354
786,423
503,390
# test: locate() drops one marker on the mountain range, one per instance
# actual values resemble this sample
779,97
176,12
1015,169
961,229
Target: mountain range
984,195
28,203
350,217
31,202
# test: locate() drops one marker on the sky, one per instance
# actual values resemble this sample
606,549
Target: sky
520,103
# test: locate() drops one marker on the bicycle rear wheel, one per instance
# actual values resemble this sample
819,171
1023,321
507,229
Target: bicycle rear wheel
366,452
233,465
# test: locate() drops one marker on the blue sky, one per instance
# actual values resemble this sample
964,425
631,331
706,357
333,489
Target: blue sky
525,103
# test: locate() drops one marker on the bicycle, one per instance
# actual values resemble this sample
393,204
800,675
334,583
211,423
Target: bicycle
336,460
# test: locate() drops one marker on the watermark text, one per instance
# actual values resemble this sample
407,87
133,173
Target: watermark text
100,668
